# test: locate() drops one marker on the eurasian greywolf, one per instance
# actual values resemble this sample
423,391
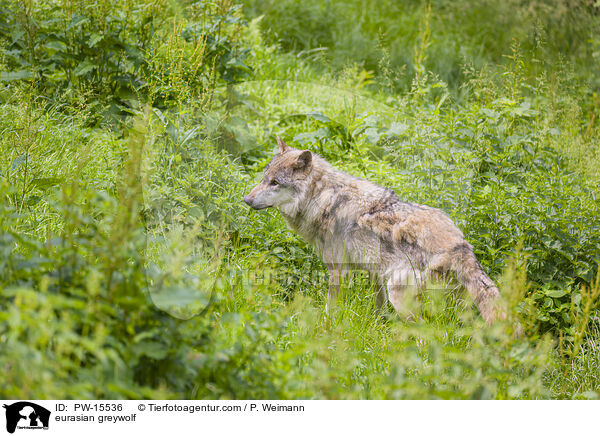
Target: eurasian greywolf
356,223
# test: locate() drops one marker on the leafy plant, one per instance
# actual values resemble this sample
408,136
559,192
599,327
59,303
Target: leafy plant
117,54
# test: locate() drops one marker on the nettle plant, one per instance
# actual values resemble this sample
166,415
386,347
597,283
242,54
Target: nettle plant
114,54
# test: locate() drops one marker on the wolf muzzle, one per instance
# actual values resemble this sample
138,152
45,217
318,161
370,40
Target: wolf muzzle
250,202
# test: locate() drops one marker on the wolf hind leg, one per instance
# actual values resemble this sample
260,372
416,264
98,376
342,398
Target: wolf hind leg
482,289
403,286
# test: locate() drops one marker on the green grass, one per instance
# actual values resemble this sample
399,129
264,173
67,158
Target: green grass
128,240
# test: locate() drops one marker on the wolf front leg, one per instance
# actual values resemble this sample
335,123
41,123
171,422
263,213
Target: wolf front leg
381,298
335,278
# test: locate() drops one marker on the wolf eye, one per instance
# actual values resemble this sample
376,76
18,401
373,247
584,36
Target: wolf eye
274,183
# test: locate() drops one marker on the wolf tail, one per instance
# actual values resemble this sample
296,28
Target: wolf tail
481,288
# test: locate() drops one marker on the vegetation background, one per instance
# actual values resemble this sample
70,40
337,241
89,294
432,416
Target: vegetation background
131,131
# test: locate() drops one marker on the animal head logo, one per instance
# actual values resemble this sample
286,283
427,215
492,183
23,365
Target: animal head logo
24,414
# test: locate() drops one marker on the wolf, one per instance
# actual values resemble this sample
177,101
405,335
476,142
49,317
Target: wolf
354,223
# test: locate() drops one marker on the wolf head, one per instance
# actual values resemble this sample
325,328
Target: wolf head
284,179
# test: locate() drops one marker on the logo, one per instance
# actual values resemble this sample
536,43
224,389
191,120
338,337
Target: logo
26,415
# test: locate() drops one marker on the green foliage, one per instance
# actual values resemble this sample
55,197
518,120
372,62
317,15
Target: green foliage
115,54
382,36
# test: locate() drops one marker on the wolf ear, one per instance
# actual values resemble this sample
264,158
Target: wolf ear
303,160
283,147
